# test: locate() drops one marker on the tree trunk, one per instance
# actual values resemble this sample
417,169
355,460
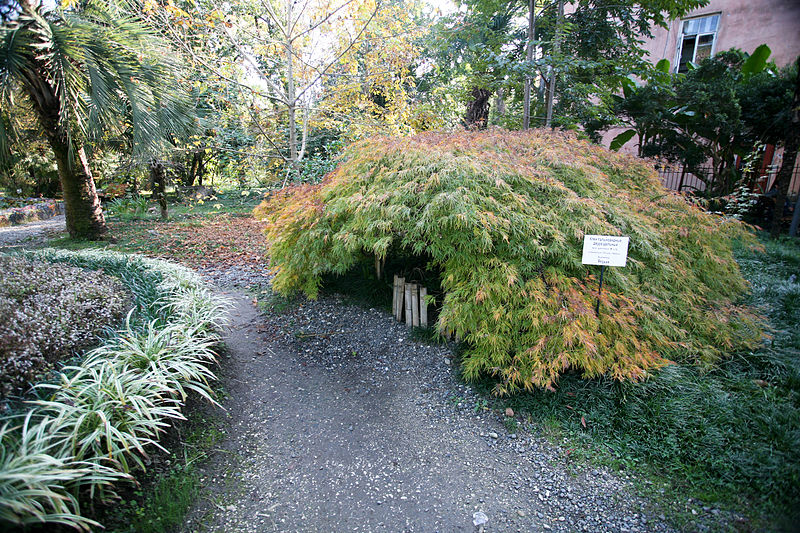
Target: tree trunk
790,146
196,169
526,104
159,178
192,172
551,89
500,103
478,109
84,213
291,100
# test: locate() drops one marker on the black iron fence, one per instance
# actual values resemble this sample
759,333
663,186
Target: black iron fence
680,179
701,178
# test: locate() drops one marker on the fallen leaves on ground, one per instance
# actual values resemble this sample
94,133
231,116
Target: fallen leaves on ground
196,242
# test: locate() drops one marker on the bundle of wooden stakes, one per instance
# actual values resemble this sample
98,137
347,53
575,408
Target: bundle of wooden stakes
409,299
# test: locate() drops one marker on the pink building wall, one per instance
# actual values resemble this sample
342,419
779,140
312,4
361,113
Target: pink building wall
744,24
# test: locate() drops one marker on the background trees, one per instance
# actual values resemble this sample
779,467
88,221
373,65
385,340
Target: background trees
582,53
273,89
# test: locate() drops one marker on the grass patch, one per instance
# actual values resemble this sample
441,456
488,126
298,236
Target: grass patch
234,201
729,436
171,487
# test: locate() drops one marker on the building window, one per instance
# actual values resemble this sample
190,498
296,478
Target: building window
697,40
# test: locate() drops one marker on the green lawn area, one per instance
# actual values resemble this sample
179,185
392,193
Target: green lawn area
197,233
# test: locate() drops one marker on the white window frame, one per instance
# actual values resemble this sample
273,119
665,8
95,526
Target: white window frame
697,36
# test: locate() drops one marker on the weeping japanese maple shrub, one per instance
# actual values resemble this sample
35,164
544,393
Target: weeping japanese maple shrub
502,216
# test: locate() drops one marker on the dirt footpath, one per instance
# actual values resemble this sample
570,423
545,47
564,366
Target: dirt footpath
339,422
32,233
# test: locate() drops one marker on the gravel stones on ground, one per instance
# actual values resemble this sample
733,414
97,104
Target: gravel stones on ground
241,277
340,420
32,233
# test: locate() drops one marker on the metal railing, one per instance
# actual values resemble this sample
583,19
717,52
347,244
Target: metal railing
699,179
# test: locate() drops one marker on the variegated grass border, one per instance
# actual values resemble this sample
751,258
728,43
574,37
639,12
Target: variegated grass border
93,425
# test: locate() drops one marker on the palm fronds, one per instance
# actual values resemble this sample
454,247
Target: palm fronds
92,66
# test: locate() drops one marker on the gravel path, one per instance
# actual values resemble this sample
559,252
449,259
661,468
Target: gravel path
340,422
32,233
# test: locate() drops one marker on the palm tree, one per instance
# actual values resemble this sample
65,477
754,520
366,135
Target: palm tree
85,73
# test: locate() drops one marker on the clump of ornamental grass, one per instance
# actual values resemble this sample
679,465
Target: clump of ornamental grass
34,470
501,217
93,425
49,313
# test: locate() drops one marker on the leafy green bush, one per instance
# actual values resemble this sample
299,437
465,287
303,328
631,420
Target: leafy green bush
128,206
730,435
93,425
501,216
48,313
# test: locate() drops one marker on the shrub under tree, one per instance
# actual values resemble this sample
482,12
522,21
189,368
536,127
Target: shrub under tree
501,217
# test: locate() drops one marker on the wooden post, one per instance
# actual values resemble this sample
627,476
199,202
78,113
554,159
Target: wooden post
408,304
401,289
683,176
415,305
394,296
423,307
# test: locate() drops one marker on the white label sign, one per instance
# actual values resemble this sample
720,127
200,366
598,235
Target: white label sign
605,250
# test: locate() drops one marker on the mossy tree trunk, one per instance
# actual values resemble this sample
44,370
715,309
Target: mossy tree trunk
478,109
84,213
196,169
158,176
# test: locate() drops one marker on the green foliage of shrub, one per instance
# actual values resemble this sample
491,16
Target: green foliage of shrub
502,217
93,425
730,435
48,313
